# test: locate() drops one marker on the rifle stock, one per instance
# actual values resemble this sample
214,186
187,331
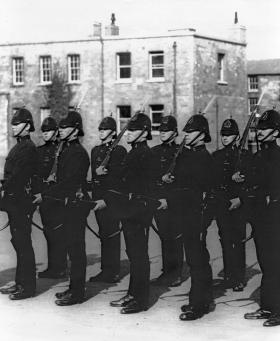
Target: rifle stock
52,175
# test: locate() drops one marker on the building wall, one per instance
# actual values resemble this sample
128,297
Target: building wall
230,96
195,76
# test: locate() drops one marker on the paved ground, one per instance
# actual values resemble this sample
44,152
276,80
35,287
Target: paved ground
40,319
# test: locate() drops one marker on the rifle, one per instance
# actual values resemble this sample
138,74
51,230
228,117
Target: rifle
52,175
172,166
106,160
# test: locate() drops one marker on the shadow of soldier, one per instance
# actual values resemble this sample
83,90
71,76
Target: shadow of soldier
157,292
94,288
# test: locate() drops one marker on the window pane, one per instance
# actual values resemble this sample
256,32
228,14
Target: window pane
157,59
124,59
125,72
157,72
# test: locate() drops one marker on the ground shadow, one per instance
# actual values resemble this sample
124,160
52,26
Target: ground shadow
93,289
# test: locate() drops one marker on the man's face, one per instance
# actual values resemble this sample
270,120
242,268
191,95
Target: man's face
193,138
132,135
105,134
48,135
227,139
19,130
166,135
267,135
65,132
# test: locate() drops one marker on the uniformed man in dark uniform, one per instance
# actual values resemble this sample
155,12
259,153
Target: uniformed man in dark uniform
19,169
73,165
264,179
107,177
166,216
136,175
49,210
193,180
229,211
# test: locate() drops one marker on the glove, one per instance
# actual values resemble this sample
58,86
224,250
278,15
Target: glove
100,204
168,178
238,177
235,203
163,204
101,170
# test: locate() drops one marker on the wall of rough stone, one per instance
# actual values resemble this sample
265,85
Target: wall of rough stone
230,95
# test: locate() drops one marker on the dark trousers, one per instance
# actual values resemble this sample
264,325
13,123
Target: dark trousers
197,256
109,231
171,241
74,235
232,230
267,240
136,241
20,227
51,219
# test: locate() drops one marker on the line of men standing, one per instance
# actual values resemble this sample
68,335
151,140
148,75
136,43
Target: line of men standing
132,188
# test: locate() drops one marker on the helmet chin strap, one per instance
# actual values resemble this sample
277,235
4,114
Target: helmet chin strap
70,134
18,134
139,136
172,137
194,139
106,137
266,137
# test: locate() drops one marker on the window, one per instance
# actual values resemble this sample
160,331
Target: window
124,65
45,69
18,71
156,113
124,115
74,68
253,83
156,64
44,112
221,67
252,103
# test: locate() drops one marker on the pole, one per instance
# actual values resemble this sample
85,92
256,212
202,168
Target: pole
175,78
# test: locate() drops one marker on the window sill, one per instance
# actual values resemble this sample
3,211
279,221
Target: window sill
123,81
155,80
44,84
222,83
253,90
17,85
74,83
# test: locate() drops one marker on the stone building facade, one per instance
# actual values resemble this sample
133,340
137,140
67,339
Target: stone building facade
264,82
181,72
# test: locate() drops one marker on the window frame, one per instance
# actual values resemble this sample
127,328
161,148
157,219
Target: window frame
72,68
151,112
48,70
251,105
156,66
221,62
119,67
14,71
256,83
119,125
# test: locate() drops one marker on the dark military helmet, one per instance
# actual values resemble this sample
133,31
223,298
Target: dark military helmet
23,115
168,123
270,119
198,123
72,120
108,123
49,124
229,127
141,121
